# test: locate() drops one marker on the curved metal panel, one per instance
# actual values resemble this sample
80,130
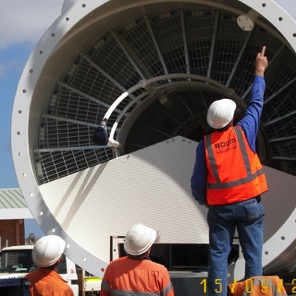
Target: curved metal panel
94,52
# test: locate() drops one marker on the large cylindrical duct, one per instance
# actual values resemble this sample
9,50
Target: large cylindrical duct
163,63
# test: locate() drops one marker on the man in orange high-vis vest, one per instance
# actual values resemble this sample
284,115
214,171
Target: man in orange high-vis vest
136,274
45,280
228,178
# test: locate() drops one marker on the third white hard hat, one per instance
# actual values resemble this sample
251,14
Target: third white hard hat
48,250
139,239
220,113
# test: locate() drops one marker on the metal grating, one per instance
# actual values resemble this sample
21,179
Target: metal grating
202,42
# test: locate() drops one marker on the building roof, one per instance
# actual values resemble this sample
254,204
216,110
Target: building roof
13,205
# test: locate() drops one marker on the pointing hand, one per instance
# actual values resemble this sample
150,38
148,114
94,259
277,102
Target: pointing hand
261,62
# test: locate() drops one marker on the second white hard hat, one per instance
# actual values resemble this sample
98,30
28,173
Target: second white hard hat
220,113
48,250
139,239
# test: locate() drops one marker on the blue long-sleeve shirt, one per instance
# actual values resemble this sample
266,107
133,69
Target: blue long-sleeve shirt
249,123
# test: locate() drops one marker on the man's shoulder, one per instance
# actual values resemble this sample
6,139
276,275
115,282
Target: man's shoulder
44,279
117,260
156,266
125,261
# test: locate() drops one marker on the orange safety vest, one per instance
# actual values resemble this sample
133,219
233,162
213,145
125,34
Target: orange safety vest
234,169
126,276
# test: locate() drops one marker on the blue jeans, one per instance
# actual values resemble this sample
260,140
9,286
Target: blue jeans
247,217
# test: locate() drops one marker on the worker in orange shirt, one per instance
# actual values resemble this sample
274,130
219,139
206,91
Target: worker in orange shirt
136,274
45,281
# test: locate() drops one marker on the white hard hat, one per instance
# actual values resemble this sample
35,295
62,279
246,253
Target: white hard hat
48,250
139,239
220,113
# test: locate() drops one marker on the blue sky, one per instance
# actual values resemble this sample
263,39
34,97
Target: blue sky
22,23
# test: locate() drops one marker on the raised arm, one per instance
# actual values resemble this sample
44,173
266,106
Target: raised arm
251,120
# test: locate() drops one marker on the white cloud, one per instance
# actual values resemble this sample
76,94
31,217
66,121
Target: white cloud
25,21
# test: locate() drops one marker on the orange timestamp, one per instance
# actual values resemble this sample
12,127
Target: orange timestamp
250,285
